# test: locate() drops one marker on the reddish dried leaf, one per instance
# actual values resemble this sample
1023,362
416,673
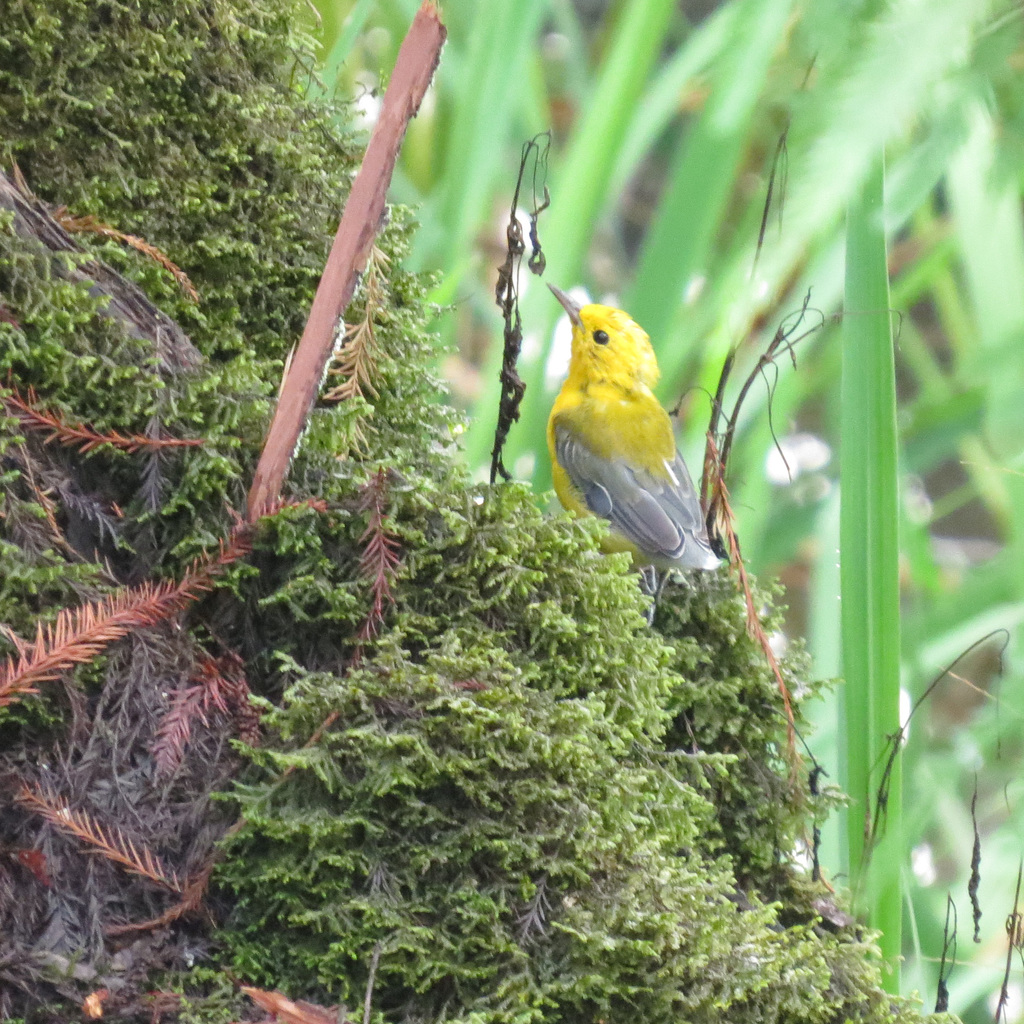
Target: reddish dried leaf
35,861
92,1005
283,1008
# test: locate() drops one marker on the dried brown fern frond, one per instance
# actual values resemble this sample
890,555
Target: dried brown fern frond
188,704
355,361
219,684
92,226
380,559
355,358
77,435
109,842
77,635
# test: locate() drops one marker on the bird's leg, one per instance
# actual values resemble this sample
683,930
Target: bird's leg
649,580
653,584
652,587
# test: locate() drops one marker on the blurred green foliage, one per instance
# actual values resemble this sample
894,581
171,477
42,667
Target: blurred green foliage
666,119
533,805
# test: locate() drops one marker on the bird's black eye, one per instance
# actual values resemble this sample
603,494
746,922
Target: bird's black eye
601,337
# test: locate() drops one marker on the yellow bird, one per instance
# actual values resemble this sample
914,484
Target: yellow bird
613,453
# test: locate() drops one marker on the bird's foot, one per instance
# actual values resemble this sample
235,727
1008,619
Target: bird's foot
653,585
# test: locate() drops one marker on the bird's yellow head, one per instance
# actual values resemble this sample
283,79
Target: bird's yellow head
608,345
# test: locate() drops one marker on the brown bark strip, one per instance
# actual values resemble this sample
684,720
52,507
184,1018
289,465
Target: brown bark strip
360,222
127,303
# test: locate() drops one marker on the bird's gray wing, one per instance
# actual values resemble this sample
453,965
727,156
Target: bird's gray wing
661,516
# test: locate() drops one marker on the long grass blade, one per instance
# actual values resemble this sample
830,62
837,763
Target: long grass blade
869,545
701,178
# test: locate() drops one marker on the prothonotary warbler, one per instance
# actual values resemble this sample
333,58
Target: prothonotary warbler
613,453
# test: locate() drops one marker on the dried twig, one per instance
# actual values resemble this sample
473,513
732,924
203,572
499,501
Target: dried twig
193,891
110,842
875,826
784,342
713,471
948,961
975,879
714,493
41,496
368,997
1014,941
506,294
360,222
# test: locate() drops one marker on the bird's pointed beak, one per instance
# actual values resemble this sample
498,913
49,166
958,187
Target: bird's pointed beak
571,307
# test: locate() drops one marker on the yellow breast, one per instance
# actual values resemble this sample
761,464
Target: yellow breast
613,423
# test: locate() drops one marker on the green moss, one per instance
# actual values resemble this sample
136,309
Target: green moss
729,702
500,806
530,804
181,124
